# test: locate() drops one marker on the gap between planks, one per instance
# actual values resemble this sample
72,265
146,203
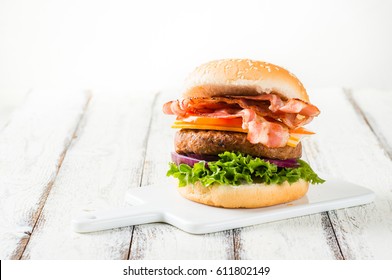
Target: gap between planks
236,243
329,230
331,235
146,141
23,244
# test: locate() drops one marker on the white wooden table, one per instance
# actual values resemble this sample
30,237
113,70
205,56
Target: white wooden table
64,152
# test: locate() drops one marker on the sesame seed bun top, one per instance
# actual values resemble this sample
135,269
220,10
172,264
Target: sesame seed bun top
231,77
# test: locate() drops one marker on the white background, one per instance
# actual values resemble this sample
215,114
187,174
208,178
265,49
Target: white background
155,44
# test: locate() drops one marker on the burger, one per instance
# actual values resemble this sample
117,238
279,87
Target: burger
240,127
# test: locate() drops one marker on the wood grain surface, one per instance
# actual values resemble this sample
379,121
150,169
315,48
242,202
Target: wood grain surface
105,159
32,148
122,140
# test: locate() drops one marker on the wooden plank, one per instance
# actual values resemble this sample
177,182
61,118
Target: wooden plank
307,237
161,241
10,100
103,162
347,148
32,147
375,106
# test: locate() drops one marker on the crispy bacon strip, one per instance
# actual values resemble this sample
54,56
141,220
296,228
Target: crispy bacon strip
270,134
173,108
266,117
275,101
301,107
295,120
275,107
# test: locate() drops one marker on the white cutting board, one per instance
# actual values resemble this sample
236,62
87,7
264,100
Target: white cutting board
159,203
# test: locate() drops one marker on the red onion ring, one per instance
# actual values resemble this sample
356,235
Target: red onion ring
191,159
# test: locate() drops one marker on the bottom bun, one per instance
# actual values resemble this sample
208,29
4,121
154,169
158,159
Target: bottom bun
245,196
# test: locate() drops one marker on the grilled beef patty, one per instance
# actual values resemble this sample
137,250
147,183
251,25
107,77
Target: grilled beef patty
214,142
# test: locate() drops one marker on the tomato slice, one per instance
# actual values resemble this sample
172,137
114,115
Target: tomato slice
209,127
234,122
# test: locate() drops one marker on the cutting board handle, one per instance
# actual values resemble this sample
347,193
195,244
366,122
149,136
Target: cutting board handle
114,218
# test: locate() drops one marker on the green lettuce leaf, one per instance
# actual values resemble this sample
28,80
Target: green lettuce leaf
236,168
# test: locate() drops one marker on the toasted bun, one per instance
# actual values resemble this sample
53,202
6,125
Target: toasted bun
242,77
245,196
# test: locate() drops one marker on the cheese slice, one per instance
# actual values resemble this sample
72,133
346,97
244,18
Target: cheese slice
293,141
